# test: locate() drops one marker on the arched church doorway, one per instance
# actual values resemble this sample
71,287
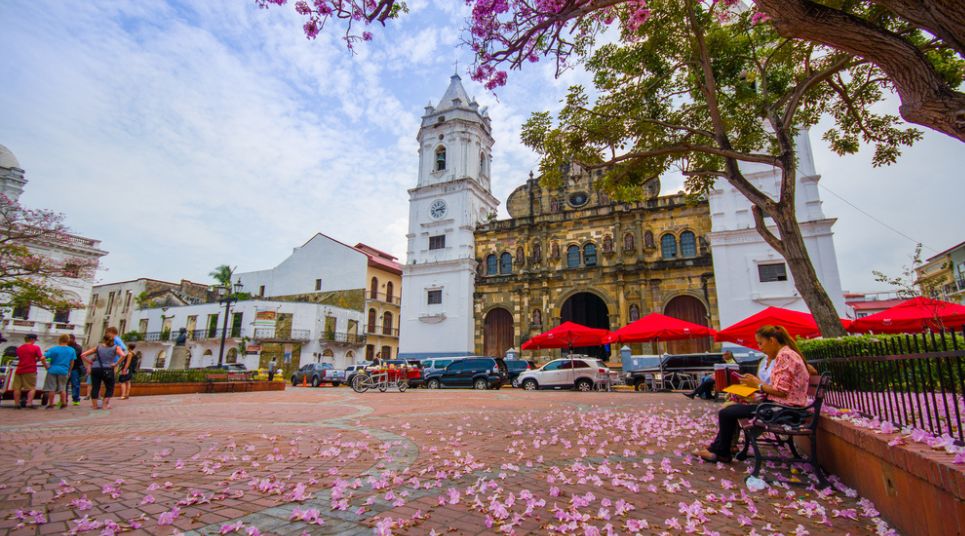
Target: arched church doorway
498,332
692,310
590,310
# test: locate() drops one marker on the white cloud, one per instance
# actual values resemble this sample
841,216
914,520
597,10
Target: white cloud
186,136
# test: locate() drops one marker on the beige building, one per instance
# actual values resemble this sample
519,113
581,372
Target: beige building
942,276
383,301
575,254
114,304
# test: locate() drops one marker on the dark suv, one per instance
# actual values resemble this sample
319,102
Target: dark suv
475,372
516,367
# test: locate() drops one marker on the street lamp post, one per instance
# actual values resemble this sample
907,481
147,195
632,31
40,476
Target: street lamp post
227,301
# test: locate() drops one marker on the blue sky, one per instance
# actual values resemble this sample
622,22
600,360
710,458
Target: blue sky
191,134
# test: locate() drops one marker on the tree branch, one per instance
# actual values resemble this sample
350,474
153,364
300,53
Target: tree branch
766,233
794,98
926,98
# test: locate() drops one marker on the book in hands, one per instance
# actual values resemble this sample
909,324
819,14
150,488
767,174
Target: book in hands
741,390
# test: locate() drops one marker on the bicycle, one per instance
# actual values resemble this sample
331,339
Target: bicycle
364,381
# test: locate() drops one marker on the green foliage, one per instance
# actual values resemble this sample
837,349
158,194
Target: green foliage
171,376
132,336
222,275
165,334
653,107
880,344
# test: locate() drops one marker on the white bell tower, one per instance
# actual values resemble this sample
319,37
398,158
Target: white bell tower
451,196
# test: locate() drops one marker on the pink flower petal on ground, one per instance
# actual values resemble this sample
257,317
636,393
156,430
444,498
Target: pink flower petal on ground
167,518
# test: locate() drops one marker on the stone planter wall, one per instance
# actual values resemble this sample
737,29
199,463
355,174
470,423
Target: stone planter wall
151,389
917,489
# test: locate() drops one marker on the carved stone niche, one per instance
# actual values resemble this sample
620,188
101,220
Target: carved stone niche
648,242
608,245
555,251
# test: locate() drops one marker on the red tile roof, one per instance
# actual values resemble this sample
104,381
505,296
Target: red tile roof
380,259
873,304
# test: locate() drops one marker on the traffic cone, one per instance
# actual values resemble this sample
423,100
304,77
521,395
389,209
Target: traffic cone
304,381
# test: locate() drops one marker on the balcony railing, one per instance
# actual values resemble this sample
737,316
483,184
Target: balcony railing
342,337
382,297
381,330
262,334
192,335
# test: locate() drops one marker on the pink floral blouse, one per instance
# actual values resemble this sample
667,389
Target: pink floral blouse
790,375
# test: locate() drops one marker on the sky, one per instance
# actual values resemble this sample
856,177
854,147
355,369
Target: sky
186,135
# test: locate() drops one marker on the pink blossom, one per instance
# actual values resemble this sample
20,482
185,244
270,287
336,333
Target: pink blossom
82,503
167,518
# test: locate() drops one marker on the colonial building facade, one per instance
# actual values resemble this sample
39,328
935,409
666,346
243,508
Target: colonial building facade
48,325
383,299
575,254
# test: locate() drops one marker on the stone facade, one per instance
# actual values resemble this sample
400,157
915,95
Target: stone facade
526,263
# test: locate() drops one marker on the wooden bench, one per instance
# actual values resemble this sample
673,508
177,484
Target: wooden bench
776,426
234,381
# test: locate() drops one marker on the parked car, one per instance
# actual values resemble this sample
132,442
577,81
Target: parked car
580,373
438,364
517,367
475,372
230,367
316,374
351,371
669,372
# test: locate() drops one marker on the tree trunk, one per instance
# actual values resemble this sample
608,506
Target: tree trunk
805,277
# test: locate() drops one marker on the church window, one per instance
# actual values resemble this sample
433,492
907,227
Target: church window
440,158
520,256
628,242
688,244
370,327
482,163
668,246
374,289
437,242
772,272
634,313
434,297
589,255
506,263
491,265
573,257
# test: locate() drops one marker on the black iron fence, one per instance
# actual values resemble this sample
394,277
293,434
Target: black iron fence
911,380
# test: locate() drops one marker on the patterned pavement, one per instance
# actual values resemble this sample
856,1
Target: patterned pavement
330,461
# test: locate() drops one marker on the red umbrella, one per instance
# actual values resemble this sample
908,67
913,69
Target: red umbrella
911,316
567,335
796,323
658,327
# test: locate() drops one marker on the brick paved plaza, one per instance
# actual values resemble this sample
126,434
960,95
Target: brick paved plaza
452,462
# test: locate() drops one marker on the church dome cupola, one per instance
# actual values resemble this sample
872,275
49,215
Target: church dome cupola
12,180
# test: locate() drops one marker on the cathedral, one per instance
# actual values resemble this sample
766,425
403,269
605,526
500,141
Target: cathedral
475,284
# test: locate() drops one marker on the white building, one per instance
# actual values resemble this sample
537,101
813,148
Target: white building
305,333
750,275
451,196
48,325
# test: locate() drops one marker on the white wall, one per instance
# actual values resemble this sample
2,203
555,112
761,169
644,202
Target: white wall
339,266
305,316
738,249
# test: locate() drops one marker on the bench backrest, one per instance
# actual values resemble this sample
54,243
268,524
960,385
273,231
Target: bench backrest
817,386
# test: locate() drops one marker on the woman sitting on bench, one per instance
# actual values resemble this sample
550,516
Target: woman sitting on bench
788,386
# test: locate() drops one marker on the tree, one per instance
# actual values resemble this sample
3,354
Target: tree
917,45
708,89
222,274
28,276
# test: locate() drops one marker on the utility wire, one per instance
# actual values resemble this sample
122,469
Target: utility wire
883,224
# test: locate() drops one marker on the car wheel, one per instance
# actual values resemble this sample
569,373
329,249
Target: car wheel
640,385
584,386
433,384
336,384
481,384
515,383
315,381
530,385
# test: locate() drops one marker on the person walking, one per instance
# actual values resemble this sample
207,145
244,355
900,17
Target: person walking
105,355
112,331
126,369
78,371
60,360
25,377
272,365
